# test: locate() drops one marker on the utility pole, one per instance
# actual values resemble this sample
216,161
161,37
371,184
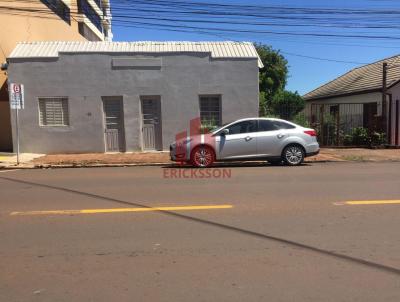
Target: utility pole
384,93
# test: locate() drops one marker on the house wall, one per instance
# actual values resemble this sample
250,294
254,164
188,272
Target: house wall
86,78
17,24
353,113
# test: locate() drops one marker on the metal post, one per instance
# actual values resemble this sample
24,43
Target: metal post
389,133
338,125
17,130
384,91
321,120
397,122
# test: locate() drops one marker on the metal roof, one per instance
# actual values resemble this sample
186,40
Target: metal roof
359,80
216,49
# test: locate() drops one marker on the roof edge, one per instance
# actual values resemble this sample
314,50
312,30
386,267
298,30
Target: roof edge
343,94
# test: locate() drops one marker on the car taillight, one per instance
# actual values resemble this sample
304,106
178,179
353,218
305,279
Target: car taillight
311,132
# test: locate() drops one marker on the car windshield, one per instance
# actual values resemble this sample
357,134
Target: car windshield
219,128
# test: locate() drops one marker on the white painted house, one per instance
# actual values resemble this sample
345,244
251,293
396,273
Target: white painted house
361,89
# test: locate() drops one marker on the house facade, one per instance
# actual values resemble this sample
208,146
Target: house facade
128,96
359,99
46,20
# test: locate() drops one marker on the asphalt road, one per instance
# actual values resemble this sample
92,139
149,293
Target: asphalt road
269,234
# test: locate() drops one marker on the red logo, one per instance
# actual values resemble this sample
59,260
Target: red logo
16,88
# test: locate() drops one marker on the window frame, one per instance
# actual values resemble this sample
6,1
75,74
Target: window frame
219,96
255,121
67,124
272,122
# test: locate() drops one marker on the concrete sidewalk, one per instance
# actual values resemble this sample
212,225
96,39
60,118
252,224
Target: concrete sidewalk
8,160
162,158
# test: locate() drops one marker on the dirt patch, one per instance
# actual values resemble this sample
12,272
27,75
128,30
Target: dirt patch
359,154
101,158
326,154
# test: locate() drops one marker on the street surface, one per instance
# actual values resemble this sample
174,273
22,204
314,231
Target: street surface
319,232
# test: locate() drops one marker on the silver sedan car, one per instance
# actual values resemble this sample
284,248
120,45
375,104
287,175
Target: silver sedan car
274,140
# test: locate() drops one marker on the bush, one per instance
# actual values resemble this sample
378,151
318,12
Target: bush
300,119
378,139
207,127
360,137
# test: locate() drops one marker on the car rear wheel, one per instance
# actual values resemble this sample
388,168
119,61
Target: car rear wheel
202,157
293,155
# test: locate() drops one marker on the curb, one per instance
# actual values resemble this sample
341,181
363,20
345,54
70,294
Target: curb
61,166
169,164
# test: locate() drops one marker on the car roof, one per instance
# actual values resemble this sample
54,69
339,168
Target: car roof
261,118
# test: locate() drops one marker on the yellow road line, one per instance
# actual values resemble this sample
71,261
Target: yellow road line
369,202
122,210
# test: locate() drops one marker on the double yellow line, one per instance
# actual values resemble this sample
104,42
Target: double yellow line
122,210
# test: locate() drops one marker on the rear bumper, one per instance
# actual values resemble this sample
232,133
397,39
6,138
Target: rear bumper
312,149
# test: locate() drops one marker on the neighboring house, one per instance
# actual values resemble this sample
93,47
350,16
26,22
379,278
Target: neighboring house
46,20
127,96
355,99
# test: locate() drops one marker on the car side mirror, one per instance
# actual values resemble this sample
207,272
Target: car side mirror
225,132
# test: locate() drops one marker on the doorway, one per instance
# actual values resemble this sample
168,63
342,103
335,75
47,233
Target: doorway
113,124
151,123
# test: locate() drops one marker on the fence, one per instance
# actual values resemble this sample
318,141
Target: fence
351,124
347,124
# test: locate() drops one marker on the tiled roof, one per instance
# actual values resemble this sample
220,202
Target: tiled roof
216,49
361,79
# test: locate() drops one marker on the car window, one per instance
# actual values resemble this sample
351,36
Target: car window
283,125
267,125
243,127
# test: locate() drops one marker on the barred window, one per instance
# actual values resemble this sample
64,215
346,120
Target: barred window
53,112
210,110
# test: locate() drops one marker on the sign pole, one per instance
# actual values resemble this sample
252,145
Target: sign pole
16,103
17,130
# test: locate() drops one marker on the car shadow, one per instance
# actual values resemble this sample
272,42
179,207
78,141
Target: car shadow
247,164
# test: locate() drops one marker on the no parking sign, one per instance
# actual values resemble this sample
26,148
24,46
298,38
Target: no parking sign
16,96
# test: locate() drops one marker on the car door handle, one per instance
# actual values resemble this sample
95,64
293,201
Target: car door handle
280,135
248,138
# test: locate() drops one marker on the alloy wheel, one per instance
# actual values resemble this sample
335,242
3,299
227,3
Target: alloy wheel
203,157
294,155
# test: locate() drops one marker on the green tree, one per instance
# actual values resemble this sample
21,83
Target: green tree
286,104
273,76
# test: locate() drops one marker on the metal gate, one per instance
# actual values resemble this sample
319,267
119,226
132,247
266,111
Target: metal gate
113,132
151,127
340,124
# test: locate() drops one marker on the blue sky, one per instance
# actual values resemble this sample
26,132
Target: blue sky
305,73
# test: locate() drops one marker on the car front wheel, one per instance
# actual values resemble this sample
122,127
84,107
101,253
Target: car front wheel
293,155
202,157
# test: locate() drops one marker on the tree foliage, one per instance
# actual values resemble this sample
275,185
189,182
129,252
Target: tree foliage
274,99
286,104
273,76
